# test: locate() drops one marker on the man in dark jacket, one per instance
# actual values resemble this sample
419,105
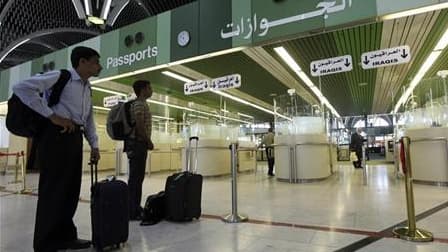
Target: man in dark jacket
356,146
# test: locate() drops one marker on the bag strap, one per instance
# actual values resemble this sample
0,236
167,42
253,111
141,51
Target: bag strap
127,109
58,87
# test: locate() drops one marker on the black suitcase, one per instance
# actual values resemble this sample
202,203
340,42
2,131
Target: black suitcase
183,191
109,211
154,210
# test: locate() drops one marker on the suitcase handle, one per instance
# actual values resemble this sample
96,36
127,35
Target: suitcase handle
93,166
188,154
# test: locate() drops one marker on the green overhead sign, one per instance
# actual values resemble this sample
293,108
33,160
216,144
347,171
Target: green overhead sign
207,26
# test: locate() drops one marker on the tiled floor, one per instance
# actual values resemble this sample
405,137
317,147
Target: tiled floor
322,216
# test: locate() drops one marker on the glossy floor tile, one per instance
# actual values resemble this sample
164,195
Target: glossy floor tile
322,216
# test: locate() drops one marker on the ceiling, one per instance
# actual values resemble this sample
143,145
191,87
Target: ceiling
357,92
264,74
54,24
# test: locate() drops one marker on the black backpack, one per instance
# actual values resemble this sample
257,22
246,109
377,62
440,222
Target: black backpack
154,210
21,120
119,125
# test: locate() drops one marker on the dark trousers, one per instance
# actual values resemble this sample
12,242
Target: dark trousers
270,157
60,165
358,163
137,153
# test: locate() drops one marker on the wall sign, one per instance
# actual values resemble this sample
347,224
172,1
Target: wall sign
251,25
386,57
331,66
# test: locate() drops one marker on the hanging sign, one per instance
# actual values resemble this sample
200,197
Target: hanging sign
195,87
386,57
331,66
110,101
226,82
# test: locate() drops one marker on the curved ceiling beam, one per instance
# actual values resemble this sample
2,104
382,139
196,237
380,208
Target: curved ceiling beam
43,44
141,4
23,40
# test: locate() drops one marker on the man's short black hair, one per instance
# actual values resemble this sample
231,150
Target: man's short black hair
82,52
139,85
270,130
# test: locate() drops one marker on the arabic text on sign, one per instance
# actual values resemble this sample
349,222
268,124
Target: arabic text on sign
386,57
234,30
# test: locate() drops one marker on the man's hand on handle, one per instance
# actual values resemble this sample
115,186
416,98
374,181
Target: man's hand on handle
95,155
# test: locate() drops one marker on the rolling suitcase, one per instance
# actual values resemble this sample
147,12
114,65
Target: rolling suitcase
183,191
109,211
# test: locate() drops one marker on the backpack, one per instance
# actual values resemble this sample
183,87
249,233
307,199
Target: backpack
22,121
154,210
119,125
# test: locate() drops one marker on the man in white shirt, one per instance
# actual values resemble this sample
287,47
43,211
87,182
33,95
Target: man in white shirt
60,148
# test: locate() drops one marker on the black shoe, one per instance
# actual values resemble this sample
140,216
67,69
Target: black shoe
271,174
76,244
136,218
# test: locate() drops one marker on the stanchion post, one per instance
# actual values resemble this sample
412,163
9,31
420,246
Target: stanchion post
23,166
411,232
234,217
364,164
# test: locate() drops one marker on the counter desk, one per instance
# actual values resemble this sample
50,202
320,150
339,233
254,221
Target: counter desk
302,158
429,155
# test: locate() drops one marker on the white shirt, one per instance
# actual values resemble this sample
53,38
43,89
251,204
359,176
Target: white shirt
75,102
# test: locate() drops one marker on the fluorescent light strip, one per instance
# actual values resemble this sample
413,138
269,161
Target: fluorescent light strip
87,6
184,79
155,116
162,117
302,75
106,9
244,115
108,91
165,104
441,45
101,108
443,42
176,76
415,11
249,104
148,69
198,116
195,111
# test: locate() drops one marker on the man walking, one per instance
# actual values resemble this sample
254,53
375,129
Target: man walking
268,141
137,146
60,148
356,142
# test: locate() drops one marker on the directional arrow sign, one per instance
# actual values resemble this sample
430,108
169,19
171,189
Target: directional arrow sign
386,57
110,101
226,82
331,66
199,86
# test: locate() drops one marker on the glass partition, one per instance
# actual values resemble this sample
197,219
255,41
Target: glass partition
299,117
428,105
